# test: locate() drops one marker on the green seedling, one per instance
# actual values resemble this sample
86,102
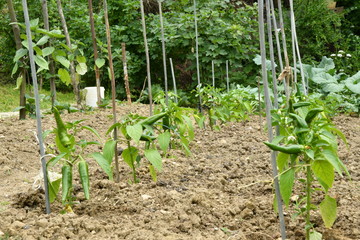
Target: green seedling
70,156
307,146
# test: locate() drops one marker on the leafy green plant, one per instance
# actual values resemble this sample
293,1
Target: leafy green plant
137,129
70,156
30,104
308,153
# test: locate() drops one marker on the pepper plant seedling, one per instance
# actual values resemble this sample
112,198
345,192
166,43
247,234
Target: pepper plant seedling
307,146
71,151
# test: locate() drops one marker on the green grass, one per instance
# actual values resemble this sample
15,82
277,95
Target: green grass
9,98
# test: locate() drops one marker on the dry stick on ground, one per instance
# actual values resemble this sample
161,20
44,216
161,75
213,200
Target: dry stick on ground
126,75
93,37
164,53
197,57
68,43
50,60
16,30
147,55
112,75
174,80
37,104
268,116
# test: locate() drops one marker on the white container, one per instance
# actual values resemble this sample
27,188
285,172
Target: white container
91,96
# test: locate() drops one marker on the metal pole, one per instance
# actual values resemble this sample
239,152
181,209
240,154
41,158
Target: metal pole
213,73
268,116
37,104
227,76
174,80
164,53
147,55
197,57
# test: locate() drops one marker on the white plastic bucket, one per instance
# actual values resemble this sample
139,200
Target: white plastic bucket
91,96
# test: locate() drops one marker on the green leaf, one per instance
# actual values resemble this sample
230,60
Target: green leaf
134,131
324,78
164,140
43,40
333,87
282,160
154,158
130,155
63,60
152,172
332,157
34,23
81,68
52,162
104,164
64,76
38,51
324,172
328,211
20,53
286,185
315,235
19,81
100,62
109,150
41,62
54,188
327,63
15,68
81,59
47,51
353,83
91,130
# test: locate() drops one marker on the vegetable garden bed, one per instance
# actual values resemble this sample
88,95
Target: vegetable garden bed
222,191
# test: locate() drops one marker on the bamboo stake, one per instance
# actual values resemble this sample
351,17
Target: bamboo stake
276,34
286,56
271,50
227,76
197,57
51,62
268,116
37,104
113,88
174,80
296,45
147,55
213,73
16,31
126,75
68,43
292,24
93,37
164,53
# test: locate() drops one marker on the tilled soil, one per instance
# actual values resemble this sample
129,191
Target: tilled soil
222,191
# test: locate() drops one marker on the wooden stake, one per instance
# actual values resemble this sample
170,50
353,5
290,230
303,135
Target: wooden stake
126,76
113,88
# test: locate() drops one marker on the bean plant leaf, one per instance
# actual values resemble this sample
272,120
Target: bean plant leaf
20,53
134,131
42,40
34,23
81,59
104,164
100,62
65,62
315,236
64,76
81,68
286,185
19,81
164,140
109,150
15,68
154,158
41,62
47,51
324,172
328,211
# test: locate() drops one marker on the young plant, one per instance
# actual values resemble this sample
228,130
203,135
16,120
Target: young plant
71,152
136,129
307,147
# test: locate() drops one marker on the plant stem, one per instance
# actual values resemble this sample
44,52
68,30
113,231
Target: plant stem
132,162
308,200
